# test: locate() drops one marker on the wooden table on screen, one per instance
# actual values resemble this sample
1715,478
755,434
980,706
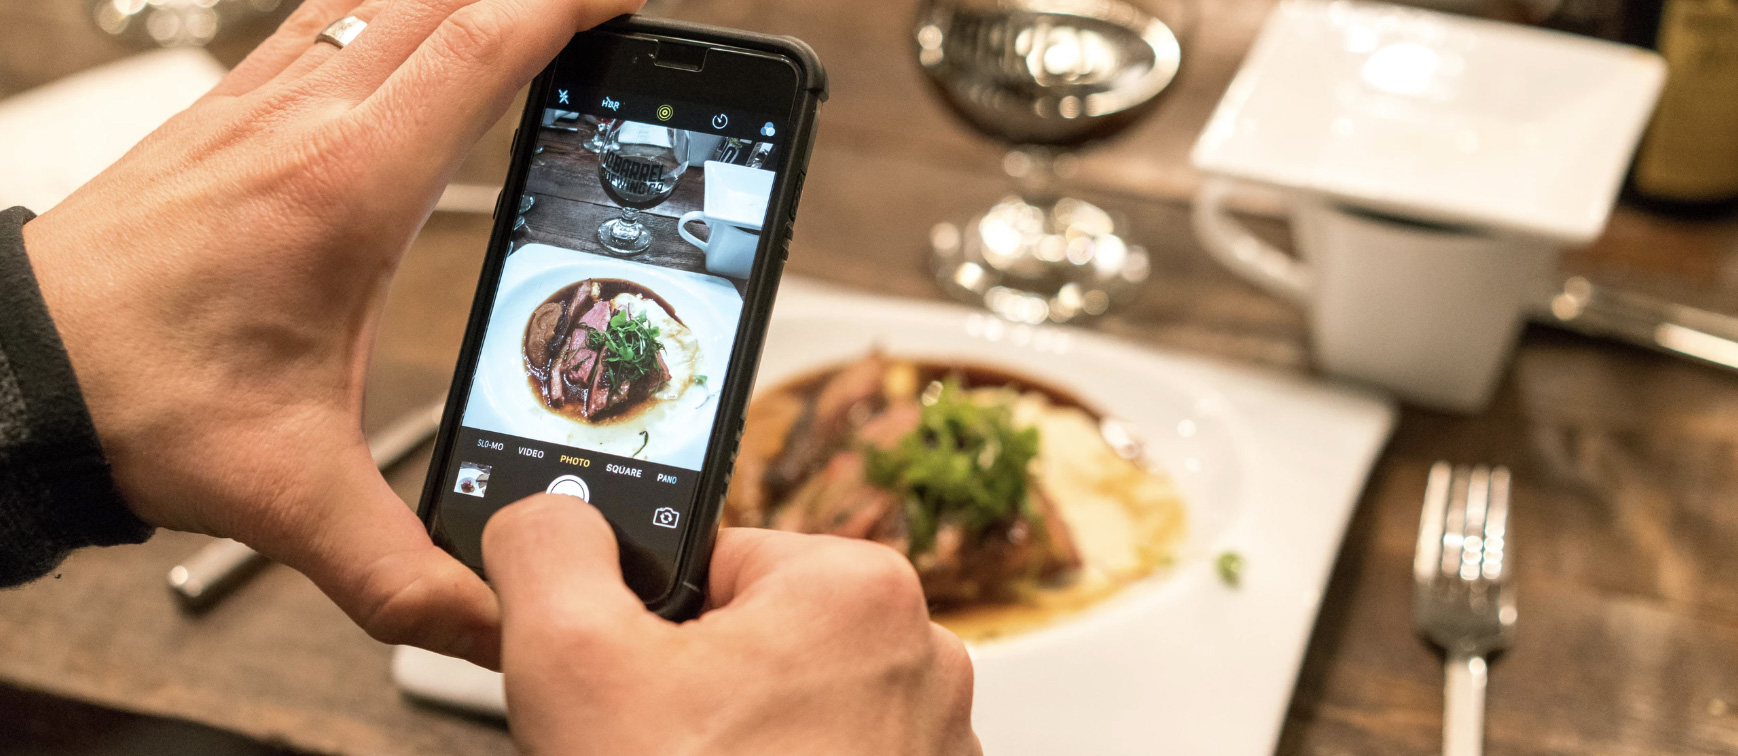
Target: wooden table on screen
1625,461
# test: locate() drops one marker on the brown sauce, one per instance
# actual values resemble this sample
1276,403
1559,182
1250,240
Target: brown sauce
536,377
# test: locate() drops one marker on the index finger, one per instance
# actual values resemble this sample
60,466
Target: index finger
460,80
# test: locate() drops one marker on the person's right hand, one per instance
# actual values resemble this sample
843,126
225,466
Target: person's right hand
816,645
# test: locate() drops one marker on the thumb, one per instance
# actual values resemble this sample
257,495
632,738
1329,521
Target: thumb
371,555
553,562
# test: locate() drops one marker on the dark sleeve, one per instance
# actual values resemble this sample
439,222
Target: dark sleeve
56,493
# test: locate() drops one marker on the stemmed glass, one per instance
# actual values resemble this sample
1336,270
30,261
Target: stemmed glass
1045,77
600,132
638,167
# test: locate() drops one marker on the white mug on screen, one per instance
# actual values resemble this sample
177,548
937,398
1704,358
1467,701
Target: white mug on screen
735,208
729,248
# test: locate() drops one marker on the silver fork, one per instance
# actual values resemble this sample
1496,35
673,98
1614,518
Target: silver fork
1461,597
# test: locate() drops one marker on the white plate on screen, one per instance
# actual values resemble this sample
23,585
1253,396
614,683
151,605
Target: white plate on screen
502,400
1180,663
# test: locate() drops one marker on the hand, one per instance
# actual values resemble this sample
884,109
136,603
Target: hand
217,290
817,645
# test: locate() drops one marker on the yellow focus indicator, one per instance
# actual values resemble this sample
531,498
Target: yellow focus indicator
665,112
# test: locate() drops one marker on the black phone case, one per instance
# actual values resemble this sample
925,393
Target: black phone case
688,592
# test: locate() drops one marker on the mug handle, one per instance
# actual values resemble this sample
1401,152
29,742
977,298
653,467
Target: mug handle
1256,261
682,228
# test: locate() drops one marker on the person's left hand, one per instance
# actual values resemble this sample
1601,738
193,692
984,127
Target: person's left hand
217,290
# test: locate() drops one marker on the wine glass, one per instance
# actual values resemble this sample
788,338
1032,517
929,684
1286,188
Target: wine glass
600,132
1045,77
638,167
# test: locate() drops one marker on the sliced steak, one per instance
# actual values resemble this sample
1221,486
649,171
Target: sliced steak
584,293
579,366
765,428
838,500
561,383
887,429
586,363
999,563
597,396
619,394
826,425
597,318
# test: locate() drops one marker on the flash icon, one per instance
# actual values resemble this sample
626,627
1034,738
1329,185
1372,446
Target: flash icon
561,95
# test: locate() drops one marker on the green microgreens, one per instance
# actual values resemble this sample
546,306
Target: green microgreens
629,345
1230,566
964,464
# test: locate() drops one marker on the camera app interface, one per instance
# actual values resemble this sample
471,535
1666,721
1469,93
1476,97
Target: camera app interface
614,319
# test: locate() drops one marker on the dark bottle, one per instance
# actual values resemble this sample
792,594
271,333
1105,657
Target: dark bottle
1688,160
1590,18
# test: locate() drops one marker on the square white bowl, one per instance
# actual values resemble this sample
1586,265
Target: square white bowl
1436,117
737,195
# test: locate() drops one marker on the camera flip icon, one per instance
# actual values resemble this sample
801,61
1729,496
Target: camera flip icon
665,517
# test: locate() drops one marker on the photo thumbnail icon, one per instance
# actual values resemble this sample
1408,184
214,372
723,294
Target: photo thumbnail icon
473,479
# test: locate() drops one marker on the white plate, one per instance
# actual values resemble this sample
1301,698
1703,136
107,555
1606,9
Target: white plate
502,401
1435,116
1179,663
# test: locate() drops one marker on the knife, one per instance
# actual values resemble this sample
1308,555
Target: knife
1581,306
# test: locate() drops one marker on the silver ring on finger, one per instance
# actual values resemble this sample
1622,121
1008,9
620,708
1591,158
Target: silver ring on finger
342,32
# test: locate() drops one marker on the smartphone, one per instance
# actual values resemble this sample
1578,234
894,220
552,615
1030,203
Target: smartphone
636,252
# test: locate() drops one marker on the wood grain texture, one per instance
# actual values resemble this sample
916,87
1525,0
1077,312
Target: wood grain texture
1625,461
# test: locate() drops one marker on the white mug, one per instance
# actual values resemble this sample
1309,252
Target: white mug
729,248
1430,312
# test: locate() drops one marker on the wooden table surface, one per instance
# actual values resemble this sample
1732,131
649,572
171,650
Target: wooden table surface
1625,461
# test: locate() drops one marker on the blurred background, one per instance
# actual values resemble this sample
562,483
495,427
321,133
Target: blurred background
1069,194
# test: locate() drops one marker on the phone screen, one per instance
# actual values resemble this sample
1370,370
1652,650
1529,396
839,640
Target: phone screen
617,310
